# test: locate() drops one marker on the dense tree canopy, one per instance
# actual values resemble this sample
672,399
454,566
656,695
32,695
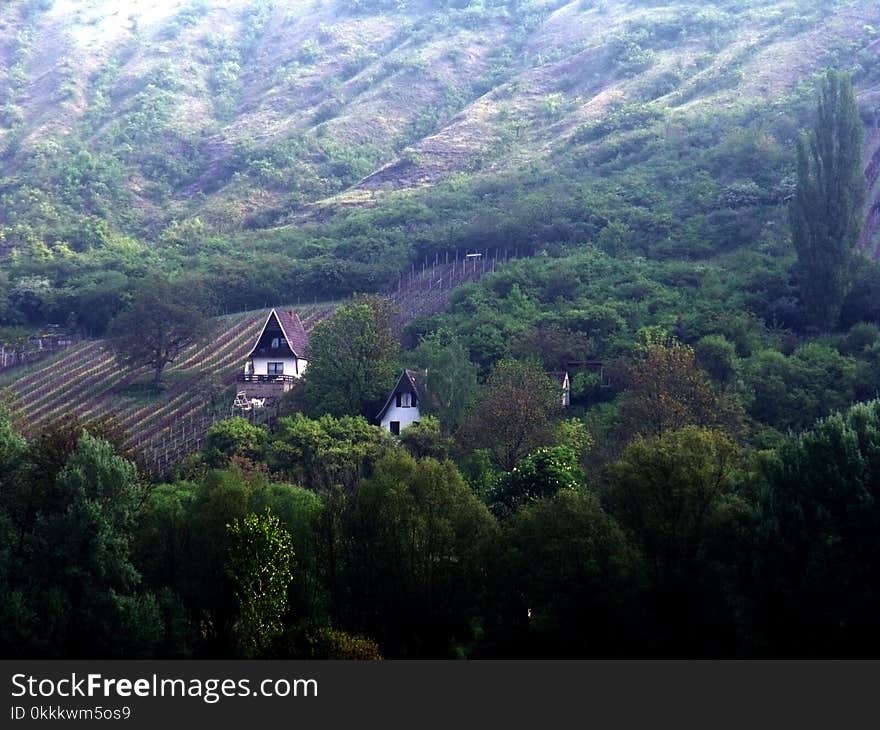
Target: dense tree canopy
515,412
352,360
820,524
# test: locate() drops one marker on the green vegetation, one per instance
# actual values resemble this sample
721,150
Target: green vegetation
161,323
827,209
352,359
683,543
658,226
259,567
151,179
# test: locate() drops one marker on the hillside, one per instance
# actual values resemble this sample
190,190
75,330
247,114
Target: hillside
304,151
173,121
86,382
198,385
638,313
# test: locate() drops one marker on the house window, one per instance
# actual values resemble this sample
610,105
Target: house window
276,343
406,401
395,427
275,368
397,399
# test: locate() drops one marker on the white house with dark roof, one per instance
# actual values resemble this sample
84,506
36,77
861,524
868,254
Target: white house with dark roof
280,352
402,407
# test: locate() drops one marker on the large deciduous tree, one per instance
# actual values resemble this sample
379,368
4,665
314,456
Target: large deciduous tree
162,321
326,452
515,413
413,556
667,389
826,210
565,581
537,476
69,587
352,360
675,494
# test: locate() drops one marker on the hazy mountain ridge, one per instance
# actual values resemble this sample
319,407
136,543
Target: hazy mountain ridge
251,111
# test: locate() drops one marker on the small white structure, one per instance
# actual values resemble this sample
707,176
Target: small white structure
402,407
565,386
279,353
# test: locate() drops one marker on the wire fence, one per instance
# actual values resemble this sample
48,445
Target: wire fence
425,290
34,349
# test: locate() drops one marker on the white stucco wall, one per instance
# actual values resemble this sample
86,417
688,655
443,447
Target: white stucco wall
406,416
261,365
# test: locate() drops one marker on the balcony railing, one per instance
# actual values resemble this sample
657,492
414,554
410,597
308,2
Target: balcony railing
252,378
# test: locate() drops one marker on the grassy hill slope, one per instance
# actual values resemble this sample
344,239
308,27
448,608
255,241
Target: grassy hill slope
248,112
302,151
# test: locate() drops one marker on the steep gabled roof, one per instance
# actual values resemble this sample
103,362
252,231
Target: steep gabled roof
292,329
559,376
407,378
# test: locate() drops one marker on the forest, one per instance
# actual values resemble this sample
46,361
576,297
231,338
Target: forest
682,196
327,538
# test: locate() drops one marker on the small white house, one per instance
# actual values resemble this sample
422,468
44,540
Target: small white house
279,353
402,407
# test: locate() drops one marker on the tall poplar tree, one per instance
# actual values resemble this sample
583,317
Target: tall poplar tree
826,210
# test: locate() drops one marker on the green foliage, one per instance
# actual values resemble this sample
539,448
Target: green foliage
556,347
73,590
414,587
233,437
352,360
574,434
675,493
819,522
668,213
183,543
309,641
450,384
426,439
537,476
717,356
791,392
515,412
667,390
571,579
12,451
260,567
826,211
163,320
664,489
326,452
